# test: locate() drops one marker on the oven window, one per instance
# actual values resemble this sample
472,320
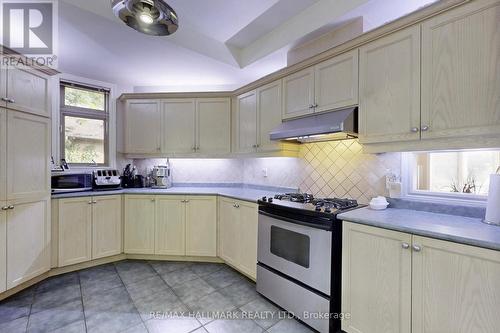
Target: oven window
290,246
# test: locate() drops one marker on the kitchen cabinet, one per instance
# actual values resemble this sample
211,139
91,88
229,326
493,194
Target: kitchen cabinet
75,231
329,85
106,226
3,154
298,94
178,119
214,125
28,153
238,221
201,226
461,71
454,287
139,224
170,230
397,282
389,83
28,240
3,248
269,102
376,280
28,91
336,82
142,126
246,123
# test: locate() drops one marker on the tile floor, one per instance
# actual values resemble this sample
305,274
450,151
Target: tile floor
145,296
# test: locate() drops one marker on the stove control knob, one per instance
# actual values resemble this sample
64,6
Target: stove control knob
270,200
264,199
328,210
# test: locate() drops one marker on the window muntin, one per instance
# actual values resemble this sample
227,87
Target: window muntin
84,125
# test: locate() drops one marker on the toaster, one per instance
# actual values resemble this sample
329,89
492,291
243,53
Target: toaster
104,179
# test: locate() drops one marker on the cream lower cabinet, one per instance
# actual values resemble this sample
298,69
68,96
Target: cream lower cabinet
3,154
88,228
170,232
201,226
238,221
28,240
139,221
396,282
3,248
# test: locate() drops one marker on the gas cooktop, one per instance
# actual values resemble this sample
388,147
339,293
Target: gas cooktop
307,202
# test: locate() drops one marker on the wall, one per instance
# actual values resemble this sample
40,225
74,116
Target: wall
328,169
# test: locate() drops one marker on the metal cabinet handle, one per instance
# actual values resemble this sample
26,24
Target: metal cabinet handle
153,200
236,206
315,105
311,106
5,208
94,202
90,202
10,100
186,201
425,128
11,207
417,248
405,246
5,99
415,130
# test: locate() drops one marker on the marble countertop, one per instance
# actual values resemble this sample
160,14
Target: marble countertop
464,230
239,193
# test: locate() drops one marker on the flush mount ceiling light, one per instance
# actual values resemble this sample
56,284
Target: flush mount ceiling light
152,17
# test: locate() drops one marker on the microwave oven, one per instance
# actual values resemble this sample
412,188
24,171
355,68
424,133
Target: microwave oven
65,182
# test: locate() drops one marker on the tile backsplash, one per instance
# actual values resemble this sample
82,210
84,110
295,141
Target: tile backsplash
334,168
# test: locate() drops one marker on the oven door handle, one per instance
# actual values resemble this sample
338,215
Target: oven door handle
287,219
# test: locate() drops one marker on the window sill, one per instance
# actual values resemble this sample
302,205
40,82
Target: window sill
447,199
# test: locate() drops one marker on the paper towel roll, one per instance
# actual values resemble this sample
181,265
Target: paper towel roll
493,207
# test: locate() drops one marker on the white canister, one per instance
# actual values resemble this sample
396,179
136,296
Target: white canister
493,207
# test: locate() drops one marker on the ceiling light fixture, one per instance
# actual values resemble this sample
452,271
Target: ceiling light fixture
151,17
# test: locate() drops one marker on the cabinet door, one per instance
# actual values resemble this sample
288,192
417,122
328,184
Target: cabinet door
229,220
106,226
336,82
298,94
142,127
269,104
28,152
28,91
28,241
455,288
3,84
75,231
376,280
3,154
178,118
213,125
246,108
461,71
249,218
201,226
139,224
3,248
389,83
170,225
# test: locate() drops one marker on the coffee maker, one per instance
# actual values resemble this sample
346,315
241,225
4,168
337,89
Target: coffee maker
162,176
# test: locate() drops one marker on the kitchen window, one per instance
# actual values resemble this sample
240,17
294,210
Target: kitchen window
84,124
453,175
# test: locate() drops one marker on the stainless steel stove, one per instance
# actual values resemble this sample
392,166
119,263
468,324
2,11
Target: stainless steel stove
300,256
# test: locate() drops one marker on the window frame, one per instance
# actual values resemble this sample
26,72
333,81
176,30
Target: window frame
81,112
408,190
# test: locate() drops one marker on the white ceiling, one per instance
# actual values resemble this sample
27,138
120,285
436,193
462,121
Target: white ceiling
220,44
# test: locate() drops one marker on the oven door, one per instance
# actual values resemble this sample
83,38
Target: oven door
300,252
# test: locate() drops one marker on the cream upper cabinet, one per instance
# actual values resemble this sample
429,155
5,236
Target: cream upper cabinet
3,154
269,102
106,226
28,91
228,231
3,85
3,248
178,119
298,94
139,224
28,153
455,288
248,215
75,231
201,226
142,127
28,241
214,125
461,71
336,82
389,88
246,115
170,230
376,280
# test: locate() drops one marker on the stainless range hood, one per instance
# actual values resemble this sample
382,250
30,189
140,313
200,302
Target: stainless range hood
333,125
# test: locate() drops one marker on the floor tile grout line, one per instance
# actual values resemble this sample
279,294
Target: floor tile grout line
81,299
